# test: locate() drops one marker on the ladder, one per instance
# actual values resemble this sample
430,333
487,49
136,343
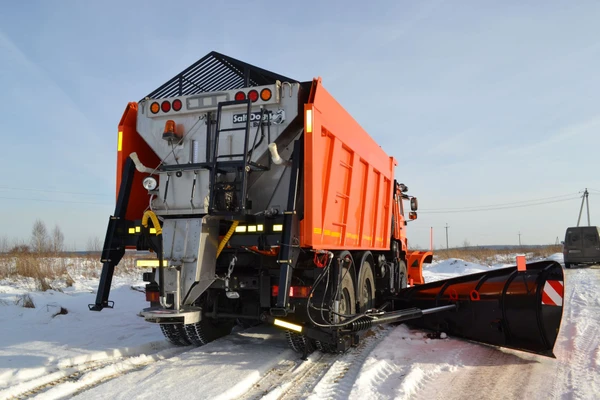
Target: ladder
229,172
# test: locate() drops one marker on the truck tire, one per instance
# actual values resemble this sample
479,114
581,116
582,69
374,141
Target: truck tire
347,294
347,306
300,343
568,265
402,275
207,330
175,334
365,288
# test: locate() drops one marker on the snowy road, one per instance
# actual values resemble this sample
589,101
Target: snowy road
394,362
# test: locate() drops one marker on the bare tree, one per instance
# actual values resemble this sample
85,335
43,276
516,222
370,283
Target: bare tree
58,240
39,237
4,245
94,244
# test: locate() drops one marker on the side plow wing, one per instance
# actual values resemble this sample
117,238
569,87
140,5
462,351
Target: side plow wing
504,307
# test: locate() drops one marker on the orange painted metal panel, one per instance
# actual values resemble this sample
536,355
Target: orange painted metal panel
130,141
416,259
348,180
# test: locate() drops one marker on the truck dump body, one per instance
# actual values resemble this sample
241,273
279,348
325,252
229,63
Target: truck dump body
348,180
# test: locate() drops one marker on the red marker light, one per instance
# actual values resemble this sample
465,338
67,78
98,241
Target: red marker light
165,106
253,95
239,96
177,104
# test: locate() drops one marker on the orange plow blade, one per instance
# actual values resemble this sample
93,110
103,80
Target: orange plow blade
503,307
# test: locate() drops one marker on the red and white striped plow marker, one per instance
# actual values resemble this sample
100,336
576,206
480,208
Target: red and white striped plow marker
553,293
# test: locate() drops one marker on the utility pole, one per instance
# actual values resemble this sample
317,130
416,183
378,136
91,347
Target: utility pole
584,198
447,235
519,239
431,238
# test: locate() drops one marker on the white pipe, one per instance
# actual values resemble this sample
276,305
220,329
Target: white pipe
274,154
138,164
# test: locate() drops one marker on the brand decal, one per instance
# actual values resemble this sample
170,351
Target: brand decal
276,118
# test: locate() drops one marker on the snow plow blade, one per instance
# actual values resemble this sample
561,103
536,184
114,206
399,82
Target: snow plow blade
504,307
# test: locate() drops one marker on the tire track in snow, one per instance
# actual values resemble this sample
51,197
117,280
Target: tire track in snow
337,383
320,376
79,373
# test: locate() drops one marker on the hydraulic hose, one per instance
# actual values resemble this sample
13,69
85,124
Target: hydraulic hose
227,237
149,214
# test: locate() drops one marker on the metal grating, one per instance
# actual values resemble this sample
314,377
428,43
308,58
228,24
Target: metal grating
216,72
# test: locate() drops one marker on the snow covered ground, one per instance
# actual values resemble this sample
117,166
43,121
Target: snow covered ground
115,354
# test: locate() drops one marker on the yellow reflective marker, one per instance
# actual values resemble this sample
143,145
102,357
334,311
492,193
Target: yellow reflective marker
260,228
153,231
138,229
120,142
277,228
308,121
240,228
251,228
288,325
148,263
131,230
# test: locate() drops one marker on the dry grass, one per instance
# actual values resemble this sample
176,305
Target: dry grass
482,254
55,271
25,301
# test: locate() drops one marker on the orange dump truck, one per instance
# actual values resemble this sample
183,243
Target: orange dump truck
261,200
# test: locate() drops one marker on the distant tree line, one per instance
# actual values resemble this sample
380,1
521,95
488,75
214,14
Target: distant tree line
42,240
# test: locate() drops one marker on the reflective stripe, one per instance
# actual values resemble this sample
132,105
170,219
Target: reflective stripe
308,121
288,325
120,142
148,263
553,293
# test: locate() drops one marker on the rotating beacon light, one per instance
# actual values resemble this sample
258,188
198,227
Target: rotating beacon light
170,133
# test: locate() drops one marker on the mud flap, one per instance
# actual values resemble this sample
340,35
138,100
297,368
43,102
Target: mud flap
504,307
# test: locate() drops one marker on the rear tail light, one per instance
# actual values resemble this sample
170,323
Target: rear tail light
295,291
165,106
154,108
152,296
177,105
239,96
265,94
253,95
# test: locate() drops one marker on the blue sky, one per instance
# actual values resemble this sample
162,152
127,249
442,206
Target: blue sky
482,103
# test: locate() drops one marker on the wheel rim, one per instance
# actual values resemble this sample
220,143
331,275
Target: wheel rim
367,290
344,302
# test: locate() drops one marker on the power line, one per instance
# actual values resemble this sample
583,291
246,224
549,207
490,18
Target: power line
570,195
498,208
54,191
54,201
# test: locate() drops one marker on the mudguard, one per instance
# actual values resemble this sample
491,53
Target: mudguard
503,307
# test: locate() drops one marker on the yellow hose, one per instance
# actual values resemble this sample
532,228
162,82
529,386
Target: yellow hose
152,216
227,237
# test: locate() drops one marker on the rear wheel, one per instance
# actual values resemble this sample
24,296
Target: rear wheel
346,292
568,265
403,275
175,334
365,289
300,343
207,330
